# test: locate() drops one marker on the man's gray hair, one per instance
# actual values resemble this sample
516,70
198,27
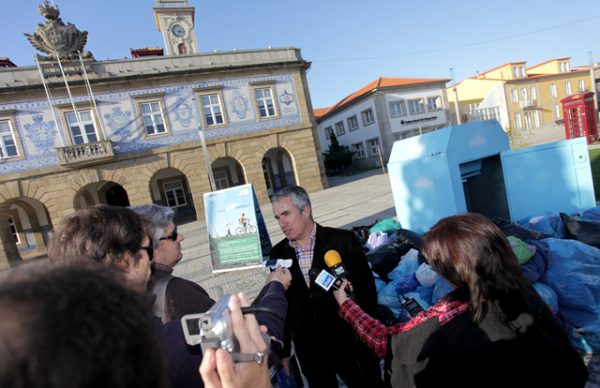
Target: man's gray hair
298,195
158,217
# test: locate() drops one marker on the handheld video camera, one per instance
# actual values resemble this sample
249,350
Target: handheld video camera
212,329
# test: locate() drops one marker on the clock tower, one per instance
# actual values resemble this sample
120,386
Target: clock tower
175,20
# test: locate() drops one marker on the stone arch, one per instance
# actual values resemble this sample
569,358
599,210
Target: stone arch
100,192
228,172
170,187
278,169
24,230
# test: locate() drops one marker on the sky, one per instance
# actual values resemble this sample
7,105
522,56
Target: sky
348,42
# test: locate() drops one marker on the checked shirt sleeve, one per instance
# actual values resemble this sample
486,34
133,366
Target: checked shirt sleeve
375,334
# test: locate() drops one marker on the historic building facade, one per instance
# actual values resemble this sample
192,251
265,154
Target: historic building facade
75,132
521,97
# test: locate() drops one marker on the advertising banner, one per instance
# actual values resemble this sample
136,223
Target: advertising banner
236,229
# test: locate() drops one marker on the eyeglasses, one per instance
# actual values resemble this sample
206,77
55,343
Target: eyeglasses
149,250
172,236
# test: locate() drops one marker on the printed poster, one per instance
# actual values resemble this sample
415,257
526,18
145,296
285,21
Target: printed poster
237,233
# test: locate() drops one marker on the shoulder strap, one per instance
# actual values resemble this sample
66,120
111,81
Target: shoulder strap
160,291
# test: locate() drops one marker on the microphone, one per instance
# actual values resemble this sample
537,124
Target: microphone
334,262
312,275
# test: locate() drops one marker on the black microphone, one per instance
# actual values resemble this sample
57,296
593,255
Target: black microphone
312,275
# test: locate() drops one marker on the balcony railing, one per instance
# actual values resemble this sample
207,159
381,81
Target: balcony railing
529,104
87,153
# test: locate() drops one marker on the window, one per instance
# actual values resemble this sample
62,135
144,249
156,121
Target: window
8,145
352,123
264,102
373,146
339,128
211,107
581,85
568,88
553,90
152,117
13,229
367,117
522,71
433,103
174,194
564,67
527,120
514,96
397,108
524,94
518,122
532,93
84,129
358,149
416,106
556,111
536,119
328,132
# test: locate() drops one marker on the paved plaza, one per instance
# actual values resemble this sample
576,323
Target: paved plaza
354,200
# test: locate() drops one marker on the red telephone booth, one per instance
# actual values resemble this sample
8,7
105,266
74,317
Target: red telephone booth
580,116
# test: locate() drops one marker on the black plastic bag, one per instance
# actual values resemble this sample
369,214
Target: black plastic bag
585,231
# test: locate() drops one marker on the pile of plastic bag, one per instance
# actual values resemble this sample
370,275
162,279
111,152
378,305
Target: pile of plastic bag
559,254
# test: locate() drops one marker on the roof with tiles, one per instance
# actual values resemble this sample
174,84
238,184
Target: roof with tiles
379,83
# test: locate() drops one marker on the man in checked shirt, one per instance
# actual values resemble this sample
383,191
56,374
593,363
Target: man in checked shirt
325,345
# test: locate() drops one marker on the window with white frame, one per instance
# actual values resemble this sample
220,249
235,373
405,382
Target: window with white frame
397,108
367,116
13,229
416,106
514,96
174,193
433,103
568,88
152,117
339,128
523,94
352,123
358,150
212,109
82,127
373,146
515,72
532,93
264,102
522,71
536,119
564,67
581,85
518,121
557,111
527,120
8,145
553,90
328,132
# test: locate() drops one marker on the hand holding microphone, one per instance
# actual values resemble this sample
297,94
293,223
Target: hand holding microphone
334,262
340,292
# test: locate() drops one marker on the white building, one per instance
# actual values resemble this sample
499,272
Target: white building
371,119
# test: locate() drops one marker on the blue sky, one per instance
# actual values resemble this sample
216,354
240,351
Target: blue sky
349,42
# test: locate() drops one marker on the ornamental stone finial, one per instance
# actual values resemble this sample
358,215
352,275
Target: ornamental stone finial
57,39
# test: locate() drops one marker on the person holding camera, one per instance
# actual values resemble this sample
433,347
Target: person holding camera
493,330
218,369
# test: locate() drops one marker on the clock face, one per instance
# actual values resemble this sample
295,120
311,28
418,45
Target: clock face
177,30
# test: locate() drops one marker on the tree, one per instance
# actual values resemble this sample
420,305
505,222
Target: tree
339,157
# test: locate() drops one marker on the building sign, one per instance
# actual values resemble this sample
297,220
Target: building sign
419,120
